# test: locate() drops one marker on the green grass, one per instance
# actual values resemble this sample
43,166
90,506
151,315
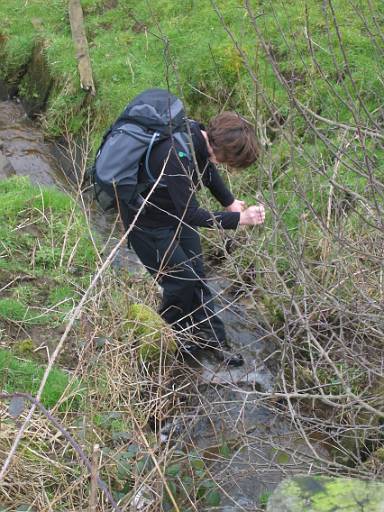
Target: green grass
11,309
135,45
141,44
44,240
30,212
18,375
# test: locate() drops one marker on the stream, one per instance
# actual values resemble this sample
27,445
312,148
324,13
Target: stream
229,412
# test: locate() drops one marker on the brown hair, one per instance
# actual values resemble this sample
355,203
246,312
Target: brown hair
233,140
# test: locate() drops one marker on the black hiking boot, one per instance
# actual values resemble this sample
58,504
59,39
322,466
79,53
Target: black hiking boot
229,358
187,345
221,349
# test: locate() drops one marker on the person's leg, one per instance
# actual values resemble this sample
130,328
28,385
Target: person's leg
209,329
162,255
203,311
186,298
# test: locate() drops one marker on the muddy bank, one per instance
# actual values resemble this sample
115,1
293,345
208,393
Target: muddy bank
32,83
4,91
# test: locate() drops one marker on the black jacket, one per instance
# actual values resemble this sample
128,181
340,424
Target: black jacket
175,199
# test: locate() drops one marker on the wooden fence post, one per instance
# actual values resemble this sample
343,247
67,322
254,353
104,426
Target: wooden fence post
81,45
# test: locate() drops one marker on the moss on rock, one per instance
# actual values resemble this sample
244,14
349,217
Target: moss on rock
145,321
322,494
151,333
23,347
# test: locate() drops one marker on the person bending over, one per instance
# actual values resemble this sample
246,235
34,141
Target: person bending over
165,236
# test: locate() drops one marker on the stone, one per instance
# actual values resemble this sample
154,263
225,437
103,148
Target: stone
6,169
151,332
325,494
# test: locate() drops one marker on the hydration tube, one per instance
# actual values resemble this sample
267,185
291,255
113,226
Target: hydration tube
153,140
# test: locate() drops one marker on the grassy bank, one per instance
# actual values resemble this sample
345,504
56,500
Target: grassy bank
101,387
134,45
299,72
304,74
47,260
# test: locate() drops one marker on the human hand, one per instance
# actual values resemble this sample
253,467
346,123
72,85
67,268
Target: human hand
254,215
236,206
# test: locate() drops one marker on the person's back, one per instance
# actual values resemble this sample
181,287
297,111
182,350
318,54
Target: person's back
173,200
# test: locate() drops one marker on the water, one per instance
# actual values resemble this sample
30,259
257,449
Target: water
24,148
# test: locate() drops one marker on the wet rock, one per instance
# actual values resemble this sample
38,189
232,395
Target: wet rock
244,328
6,169
250,376
322,494
125,258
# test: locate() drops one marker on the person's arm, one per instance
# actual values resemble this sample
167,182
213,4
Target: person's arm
181,190
214,182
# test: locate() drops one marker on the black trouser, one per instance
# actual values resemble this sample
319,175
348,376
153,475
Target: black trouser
173,257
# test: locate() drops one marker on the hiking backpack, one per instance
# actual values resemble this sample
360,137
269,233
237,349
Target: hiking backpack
121,167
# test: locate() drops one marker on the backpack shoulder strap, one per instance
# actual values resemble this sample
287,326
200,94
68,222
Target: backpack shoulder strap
182,138
154,139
